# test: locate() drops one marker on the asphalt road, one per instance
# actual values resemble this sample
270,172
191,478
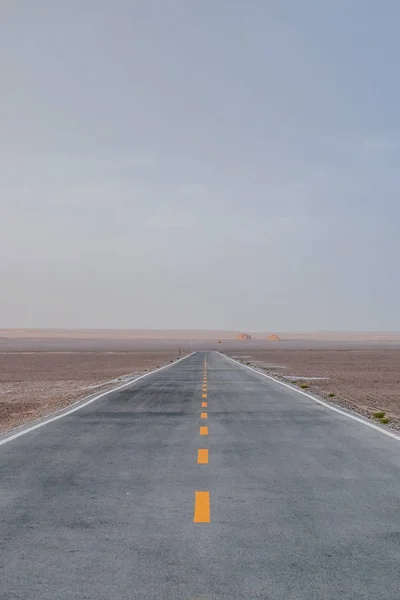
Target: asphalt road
302,503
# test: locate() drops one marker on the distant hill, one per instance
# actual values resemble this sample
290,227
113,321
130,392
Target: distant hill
192,334
243,336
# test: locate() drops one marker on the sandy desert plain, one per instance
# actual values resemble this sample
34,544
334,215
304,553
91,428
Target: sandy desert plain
42,371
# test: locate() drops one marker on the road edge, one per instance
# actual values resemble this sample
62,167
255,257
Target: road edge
75,406
336,409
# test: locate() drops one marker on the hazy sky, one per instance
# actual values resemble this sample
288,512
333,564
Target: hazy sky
200,164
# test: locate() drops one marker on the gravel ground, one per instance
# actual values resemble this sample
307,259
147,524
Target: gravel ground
33,384
364,380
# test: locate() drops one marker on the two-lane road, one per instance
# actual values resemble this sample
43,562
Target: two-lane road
201,481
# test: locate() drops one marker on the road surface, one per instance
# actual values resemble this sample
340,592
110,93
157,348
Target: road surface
286,500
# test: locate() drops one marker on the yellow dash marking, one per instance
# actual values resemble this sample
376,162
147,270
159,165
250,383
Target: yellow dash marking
204,415
204,395
202,507
204,388
203,430
202,456
204,404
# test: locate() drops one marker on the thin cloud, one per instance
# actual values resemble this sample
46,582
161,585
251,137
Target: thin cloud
378,145
137,160
192,189
166,221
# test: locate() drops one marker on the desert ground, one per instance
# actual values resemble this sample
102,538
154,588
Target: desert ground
42,371
34,383
362,377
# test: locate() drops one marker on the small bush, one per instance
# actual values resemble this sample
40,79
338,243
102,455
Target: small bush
385,420
304,386
331,395
379,415
294,382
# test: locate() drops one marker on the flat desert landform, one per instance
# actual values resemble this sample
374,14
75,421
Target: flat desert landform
42,371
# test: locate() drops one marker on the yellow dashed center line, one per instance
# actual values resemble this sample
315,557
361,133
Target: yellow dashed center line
202,507
202,499
202,456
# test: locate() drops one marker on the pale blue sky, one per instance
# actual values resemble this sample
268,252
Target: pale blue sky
200,164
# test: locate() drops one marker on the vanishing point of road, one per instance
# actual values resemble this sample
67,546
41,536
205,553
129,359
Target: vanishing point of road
201,481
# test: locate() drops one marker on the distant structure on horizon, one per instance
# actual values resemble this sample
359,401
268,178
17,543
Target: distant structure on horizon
273,338
243,336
